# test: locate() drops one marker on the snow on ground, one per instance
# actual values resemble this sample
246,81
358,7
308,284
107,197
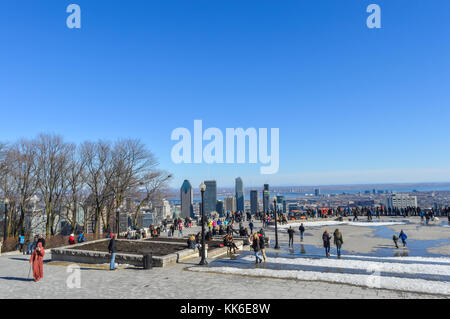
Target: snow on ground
431,260
395,273
335,222
389,267
371,281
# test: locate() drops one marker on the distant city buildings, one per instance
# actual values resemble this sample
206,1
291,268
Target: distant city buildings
220,208
162,210
187,200
239,187
401,201
230,204
254,207
281,203
317,192
210,197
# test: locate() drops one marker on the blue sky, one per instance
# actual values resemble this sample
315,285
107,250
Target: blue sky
353,105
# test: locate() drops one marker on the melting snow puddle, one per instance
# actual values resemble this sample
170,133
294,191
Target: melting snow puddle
373,223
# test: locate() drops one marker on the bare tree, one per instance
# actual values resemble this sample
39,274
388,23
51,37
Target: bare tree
152,185
95,177
52,162
76,193
132,162
99,174
21,159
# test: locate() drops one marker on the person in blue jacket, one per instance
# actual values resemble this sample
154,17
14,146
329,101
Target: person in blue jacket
81,238
403,237
21,243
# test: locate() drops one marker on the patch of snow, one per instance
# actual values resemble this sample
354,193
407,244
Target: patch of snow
442,260
335,222
400,268
372,281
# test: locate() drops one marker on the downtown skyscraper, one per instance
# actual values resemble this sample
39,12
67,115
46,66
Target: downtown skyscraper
254,207
210,197
266,198
239,189
187,200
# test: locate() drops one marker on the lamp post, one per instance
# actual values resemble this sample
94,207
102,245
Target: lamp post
202,190
276,222
5,202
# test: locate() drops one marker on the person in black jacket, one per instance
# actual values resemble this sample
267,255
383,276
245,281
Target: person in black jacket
112,247
291,236
326,242
41,240
302,231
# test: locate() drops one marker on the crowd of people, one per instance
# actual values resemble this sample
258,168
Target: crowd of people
371,212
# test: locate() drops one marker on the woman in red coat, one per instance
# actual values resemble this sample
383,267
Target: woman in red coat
37,258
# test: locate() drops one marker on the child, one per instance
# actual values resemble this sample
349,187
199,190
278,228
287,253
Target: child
403,238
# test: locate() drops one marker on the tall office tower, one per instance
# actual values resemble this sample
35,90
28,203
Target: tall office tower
317,192
219,208
254,201
230,204
210,197
281,203
266,199
239,187
187,200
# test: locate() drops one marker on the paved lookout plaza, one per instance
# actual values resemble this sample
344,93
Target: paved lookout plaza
370,267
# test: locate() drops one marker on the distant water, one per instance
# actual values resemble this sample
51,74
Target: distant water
294,195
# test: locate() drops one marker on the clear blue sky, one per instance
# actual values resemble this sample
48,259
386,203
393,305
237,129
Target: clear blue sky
353,105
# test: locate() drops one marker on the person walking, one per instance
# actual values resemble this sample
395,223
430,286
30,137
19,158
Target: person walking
180,229
32,246
21,243
338,241
256,248
112,248
37,261
302,231
262,246
403,237
251,227
291,236
355,215
395,239
326,242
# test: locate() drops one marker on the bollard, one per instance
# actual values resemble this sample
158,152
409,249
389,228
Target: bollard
147,260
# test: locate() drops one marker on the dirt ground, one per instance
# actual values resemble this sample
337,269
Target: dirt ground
135,247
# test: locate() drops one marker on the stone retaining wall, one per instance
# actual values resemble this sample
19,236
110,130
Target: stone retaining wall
68,254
